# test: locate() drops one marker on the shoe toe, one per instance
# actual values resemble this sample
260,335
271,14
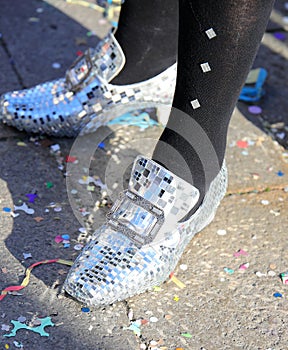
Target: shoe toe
41,108
111,268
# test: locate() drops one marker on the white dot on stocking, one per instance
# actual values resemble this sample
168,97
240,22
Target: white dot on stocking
195,104
210,33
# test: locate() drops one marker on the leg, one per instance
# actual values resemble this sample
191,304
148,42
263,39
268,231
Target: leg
212,67
147,33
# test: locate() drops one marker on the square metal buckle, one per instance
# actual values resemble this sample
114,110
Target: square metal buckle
136,218
79,71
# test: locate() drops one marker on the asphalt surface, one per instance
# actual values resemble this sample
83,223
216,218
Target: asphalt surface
222,306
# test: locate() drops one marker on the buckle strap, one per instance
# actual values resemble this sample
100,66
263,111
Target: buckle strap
79,71
136,218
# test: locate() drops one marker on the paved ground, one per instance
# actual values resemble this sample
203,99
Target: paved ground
222,306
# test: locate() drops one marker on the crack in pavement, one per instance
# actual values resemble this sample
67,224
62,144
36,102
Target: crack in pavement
12,63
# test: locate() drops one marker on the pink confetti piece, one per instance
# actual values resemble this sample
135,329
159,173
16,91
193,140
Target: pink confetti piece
244,266
239,253
58,239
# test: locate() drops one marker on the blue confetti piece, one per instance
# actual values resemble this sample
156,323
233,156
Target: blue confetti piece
142,120
277,295
7,210
101,145
85,309
66,237
280,173
66,245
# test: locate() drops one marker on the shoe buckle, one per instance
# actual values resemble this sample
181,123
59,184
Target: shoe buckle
79,71
136,218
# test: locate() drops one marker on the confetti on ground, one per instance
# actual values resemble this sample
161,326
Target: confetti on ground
242,144
186,335
183,267
142,120
5,327
260,274
7,210
178,283
85,309
58,239
221,232
57,209
280,36
153,319
21,144
265,202
176,298
255,176
70,159
277,295
24,207
280,173
239,253
255,110
78,246
31,197
56,65
244,266
38,219
21,319
284,277
18,344
33,19
271,273
101,145
135,327
26,280
55,148
228,270
49,184
27,256
45,322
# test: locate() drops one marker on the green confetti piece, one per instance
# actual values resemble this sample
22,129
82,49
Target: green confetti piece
49,184
186,335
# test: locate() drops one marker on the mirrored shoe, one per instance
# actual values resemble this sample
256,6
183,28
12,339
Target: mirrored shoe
143,240
85,99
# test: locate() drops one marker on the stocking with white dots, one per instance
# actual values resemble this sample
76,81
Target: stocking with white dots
217,44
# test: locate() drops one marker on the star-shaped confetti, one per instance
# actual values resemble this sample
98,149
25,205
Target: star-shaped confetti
31,197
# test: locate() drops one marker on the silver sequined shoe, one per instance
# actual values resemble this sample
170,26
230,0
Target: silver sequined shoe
143,240
84,99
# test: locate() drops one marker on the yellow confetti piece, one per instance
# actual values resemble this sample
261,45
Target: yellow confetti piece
178,283
157,289
176,298
7,346
22,144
